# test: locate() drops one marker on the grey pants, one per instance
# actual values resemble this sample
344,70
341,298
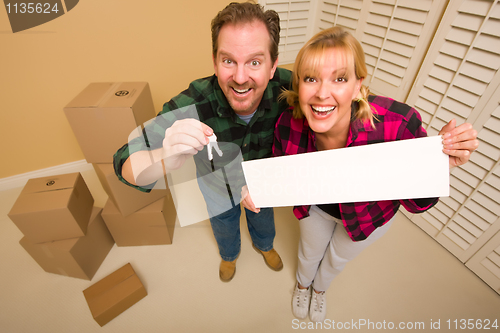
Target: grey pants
325,248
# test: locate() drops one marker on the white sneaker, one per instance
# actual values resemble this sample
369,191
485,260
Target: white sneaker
300,301
317,312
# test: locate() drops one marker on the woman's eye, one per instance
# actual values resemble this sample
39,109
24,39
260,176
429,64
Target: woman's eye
309,79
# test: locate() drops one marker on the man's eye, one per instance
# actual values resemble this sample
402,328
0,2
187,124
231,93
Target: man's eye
227,61
255,63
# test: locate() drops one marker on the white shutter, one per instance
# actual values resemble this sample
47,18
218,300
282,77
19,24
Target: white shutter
345,13
296,21
395,37
486,263
391,32
460,79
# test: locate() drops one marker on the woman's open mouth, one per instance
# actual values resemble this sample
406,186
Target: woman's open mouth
323,110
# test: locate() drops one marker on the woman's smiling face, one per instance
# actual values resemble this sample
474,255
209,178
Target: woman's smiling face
326,90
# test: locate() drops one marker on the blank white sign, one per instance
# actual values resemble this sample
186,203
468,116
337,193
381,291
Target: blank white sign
407,169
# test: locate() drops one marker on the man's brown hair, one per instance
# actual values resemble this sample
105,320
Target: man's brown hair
246,12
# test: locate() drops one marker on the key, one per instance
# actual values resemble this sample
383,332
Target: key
212,143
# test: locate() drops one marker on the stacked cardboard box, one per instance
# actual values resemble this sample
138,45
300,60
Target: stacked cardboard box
103,118
62,230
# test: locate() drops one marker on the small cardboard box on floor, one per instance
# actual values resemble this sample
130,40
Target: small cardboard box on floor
151,225
126,199
53,208
76,257
114,294
104,114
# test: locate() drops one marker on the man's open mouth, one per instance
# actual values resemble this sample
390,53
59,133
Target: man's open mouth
241,91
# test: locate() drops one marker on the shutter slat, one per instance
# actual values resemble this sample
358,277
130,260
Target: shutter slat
488,203
422,5
456,107
444,209
448,62
463,96
470,84
485,59
432,221
478,72
424,104
462,187
479,8
485,214
403,38
450,202
461,36
456,239
437,85
396,59
466,177
477,224
494,181
411,15
442,73
468,22
407,27
489,136
491,266
488,43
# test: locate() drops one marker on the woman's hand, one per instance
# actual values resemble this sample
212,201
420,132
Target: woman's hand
459,142
247,200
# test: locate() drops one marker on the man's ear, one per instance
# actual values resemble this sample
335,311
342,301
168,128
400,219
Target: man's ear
273,69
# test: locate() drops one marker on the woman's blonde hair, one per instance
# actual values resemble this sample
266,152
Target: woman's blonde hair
310,58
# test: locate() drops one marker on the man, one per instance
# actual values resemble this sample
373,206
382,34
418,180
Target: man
239,105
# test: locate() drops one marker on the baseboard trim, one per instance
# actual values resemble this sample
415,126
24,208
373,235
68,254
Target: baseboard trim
21,180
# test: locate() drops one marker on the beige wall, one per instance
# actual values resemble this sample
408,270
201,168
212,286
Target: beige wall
166,43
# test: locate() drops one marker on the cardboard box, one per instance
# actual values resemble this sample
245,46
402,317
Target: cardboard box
151,225
104,114
114,294
127,199
77,257
53,208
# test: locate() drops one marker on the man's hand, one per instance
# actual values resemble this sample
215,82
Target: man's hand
183,139
459,142
247,200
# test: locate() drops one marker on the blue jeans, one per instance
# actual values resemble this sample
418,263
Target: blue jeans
225,221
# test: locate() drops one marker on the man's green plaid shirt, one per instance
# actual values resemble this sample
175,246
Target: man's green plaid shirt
205,100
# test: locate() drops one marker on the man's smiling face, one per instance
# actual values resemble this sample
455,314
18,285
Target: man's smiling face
243,64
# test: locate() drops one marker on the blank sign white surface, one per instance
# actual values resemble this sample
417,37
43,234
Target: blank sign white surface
407,169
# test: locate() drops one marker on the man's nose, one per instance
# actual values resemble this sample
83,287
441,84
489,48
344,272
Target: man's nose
241,74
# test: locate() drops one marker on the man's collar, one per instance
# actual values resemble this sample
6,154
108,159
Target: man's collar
221,106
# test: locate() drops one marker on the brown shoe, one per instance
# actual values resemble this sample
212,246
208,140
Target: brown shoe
272,259
227,270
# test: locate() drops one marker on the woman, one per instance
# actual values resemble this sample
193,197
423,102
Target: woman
331,110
